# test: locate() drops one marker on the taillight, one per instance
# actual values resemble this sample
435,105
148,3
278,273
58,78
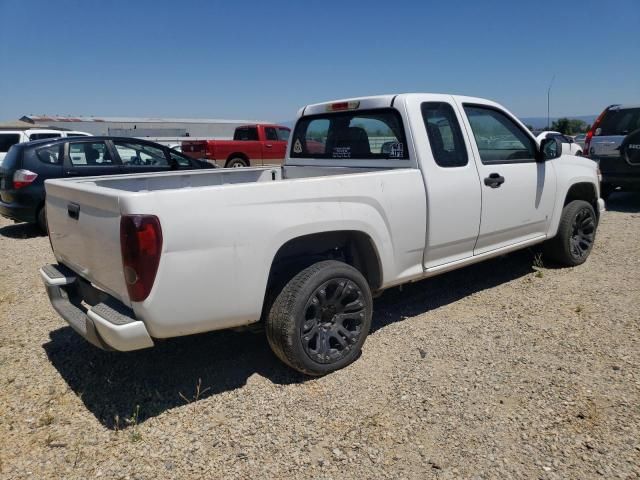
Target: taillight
141,246
591,132
22,178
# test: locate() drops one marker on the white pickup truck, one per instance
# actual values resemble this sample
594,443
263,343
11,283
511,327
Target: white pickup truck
374,192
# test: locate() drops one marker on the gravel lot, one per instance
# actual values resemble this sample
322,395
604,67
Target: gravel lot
494,371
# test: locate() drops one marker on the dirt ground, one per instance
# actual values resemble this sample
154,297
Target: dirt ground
498,370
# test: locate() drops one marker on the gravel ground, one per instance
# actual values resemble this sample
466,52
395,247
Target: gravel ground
495,371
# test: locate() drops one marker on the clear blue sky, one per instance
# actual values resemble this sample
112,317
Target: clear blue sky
263,60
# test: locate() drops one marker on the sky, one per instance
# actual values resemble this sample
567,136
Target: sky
265,60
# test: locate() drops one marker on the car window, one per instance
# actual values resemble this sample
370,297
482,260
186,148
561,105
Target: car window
372,134
89,154
246,133
75,134
499,138
283,134
181,160
42,136
619,122
140,154
49,155
8,140
270,133
445,135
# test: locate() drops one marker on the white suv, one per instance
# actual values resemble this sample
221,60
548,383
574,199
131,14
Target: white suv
8,138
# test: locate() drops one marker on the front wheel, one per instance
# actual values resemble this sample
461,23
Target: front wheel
321,318
576,233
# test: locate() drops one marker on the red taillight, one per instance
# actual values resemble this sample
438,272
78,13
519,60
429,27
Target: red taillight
341,106
141,246
22,178
591,132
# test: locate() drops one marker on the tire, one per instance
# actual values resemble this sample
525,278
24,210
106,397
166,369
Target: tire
576,233
41,219
237,162
321,318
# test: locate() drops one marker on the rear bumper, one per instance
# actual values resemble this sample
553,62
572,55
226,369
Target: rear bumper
17,212
99,318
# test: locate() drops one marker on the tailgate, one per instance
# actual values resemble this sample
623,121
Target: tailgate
84,227
197,148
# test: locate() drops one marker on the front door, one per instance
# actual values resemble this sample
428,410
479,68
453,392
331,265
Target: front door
517,191
273,147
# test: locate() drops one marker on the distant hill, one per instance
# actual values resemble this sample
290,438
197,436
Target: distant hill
541,122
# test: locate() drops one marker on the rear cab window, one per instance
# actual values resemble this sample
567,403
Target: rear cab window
376,134
621,121
246,134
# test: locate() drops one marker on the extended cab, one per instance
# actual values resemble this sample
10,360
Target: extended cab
374,192
252,145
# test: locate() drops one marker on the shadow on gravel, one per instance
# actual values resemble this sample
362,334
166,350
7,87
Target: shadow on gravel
21,230
625,202
113,384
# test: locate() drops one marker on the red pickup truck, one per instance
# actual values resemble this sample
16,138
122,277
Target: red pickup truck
252,145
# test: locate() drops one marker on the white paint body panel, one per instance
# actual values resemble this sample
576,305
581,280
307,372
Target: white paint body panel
222,228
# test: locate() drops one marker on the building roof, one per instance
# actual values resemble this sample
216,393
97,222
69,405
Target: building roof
15,125
63,118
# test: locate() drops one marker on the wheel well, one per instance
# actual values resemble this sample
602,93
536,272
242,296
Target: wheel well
238,155
352,247
583,191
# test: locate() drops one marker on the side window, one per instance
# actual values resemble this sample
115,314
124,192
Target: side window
141,154
89,154
270,133
49,155
181,160
499,139
42,136
445,135
8,140
283,134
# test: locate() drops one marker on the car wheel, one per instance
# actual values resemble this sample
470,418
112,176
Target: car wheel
237,163
321,318
42,220
576,233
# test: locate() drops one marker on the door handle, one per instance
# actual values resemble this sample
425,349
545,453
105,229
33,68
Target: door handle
73,210
494,180
268,145
72,172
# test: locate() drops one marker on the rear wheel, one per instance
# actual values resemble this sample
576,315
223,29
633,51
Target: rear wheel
576,234
321,318
237,163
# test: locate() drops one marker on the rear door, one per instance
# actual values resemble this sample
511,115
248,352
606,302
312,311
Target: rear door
451,178
517,191
88,158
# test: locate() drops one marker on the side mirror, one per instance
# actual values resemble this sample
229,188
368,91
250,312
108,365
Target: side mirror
550,148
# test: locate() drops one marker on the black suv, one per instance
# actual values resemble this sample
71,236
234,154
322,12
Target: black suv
614,142
27,165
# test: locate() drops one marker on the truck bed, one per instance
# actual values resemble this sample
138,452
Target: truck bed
225,226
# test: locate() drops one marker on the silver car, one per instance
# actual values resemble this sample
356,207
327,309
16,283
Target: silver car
614,142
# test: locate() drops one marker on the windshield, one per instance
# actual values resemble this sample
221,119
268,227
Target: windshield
370,134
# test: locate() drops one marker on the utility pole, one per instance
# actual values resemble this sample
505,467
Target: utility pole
549,102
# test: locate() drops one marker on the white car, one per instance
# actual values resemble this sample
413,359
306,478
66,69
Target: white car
8,138
374,192
569,145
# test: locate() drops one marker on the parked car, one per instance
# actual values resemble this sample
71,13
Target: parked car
8,138
579,139
614,142
569,146
252,145
305,246
27,166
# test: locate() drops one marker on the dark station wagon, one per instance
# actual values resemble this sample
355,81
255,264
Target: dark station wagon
27,165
